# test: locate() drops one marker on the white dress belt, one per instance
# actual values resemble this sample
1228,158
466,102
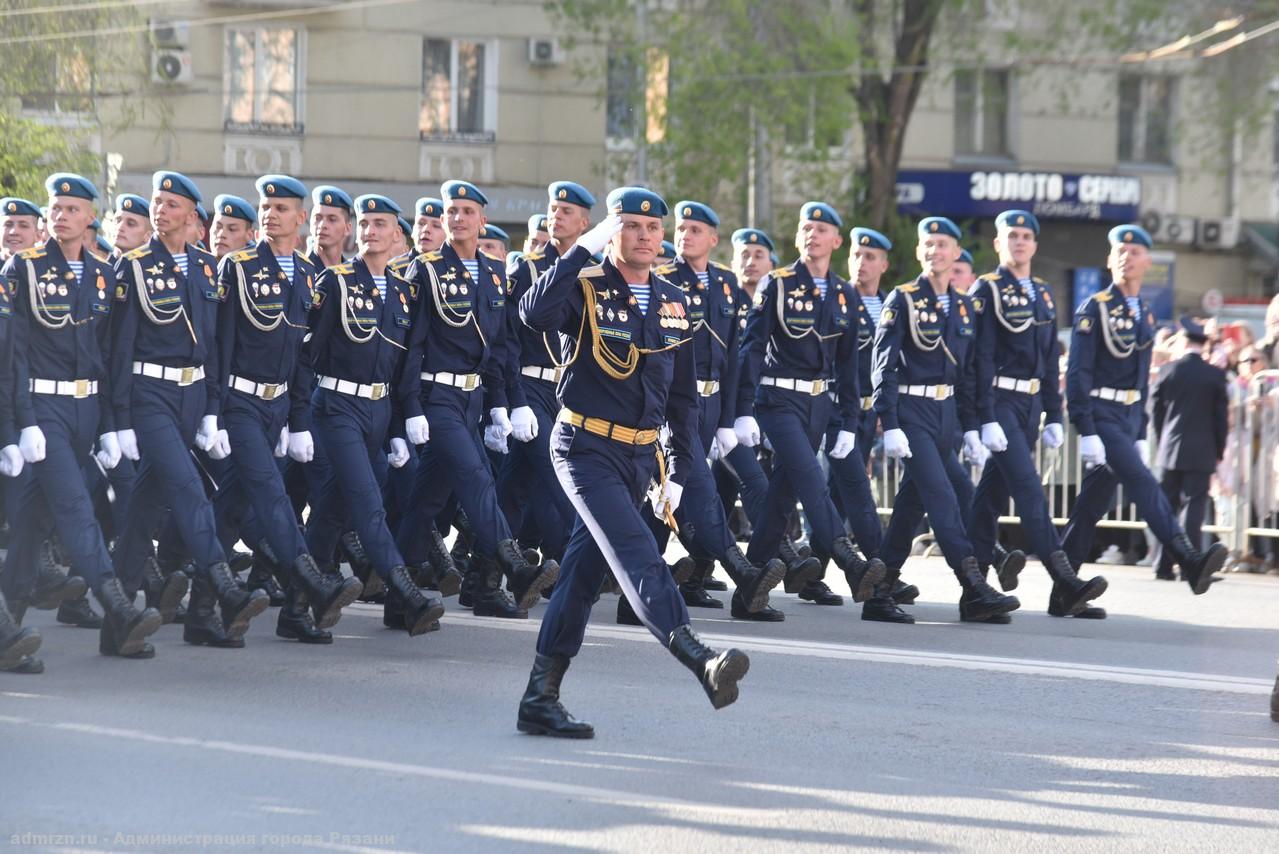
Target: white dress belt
466,382
263,391
368,391
64,388
1014,384
550,375
934,392
810,387
181,376
1126,396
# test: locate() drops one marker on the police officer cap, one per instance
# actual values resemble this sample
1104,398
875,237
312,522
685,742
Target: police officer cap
697,211
463,191
753,237
68,184
427,206
862,236
280,187
333,197
536,223
373,203
234,206
132,203
966,257
1017,219
13,206
668,249
1193,329
489,231
637,200
1130,233
820,212
938,225
406,227
176,183
574,194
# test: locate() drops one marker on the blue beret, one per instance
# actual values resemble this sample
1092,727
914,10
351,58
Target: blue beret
229,205
753,236
1194,329
103,246
373,203
938,225
863,236
201,212
1017,219
177,183
96,225
427,206
574,194
68,184
820,212
637,200
280,187
334,197
406,227
464,191
514,257
668,249
536,223
1130,234
966,257
697,211
132,203
13,206
489,231
773,259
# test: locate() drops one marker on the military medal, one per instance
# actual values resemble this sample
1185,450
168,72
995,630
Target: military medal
70,277
609,314
697,300
496,280
632,302
62,290
453,290
808,305
173,285
275,289
621,315
462,289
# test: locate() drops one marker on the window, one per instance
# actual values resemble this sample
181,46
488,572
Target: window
623,84
66,83
458,98
262,80
981,113
1145,119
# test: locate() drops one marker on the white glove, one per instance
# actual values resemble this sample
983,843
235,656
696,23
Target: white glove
1143,451
747,430
416,430
399,453
221,447
108,451
501,420
302,446
844,444
11,461
1054,437
896,445
1092,451
208,432
598,237
128,440
667,497
282,446
993,437
973,448
495,439
725,440
31,443
523,424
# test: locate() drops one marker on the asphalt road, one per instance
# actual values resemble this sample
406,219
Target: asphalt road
1148,731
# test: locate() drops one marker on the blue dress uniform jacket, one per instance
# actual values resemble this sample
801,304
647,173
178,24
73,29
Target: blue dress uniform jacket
712,309
525,347
1109,348
1016,337
8,430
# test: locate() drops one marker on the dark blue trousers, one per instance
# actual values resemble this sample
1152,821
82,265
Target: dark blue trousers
607,481
850,490
527,485
741,474
702,523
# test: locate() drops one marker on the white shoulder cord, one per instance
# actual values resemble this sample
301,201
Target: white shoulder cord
38,309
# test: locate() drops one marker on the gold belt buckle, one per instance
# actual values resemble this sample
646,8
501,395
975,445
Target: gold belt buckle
819,386
81,389
1130,396
188,376
270,391
378,391
556,373
645,437
471,382
939,392
867,403
1034,386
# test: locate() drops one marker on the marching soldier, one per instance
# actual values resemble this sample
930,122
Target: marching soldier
633,372
539,233
428,227
494,242
1107,380
1017,379
331,211
234,224
964,277
132,223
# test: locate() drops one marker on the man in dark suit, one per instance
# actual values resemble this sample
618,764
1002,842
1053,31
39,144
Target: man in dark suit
1189,408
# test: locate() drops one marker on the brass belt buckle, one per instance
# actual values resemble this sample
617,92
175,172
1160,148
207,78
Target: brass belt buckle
378,391
1130,396
939,392
471,381
270,390
81,389
188,376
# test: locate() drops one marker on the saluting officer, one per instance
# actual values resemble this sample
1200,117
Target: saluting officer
924,394
457,350
801,342
266,390
1107,381
164,392
632,371
1017,379
132,223
359,331
62,300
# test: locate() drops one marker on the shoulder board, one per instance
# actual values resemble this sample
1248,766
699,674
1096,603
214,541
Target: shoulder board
782,273
989,277
244,255
343,269
591,272
720,266
492,257
1038,280
33,252
400,263
135,254
907,288
534,256
101,259
430,257
665,270
1102,296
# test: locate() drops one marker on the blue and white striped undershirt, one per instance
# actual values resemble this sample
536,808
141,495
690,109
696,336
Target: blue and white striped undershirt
286,265
77,267
182,261
473,268
380,282
642,293
944,299
820,284
1029,285
874,306
704,277
1134,305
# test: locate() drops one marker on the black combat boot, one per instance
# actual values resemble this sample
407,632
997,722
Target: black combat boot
294,621
470,584
125,628
203,626
164,593
238,606
327,595
1274,702
818,593
1197,567
799,569
1070,594
262,578
1008,565
417,610
719,672
53,586
862,575
767,614
357,557
541,712
79,613
681,571
980,602
17,645
447,578
527,581
626,615
903,593
490,599
753,582
882,607
695,595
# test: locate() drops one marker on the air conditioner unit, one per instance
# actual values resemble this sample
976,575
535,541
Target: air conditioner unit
171,66
1169,228
545,52
170,33
1217,233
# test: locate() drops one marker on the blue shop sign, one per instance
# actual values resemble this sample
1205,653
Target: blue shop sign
1158,289
1048,195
